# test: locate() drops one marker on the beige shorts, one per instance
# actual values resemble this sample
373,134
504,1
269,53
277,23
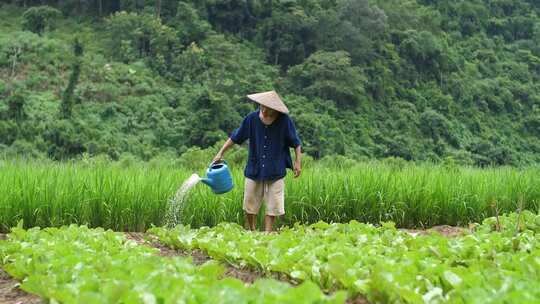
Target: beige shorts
272,192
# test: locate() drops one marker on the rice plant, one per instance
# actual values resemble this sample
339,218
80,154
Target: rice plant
136,196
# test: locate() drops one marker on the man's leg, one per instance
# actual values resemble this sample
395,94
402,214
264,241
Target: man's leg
275,202
253,193
250,221
269,223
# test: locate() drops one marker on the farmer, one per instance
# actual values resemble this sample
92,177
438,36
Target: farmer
271,133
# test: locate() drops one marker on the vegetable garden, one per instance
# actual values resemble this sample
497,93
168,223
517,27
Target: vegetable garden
373,86
496,262
347,237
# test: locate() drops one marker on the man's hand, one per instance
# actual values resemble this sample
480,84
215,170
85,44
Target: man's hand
218,157
297,168
226,146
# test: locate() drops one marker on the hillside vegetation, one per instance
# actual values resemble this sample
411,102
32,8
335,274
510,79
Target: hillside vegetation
419,80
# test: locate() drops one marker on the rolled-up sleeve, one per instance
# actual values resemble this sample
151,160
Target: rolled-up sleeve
293,140
239,135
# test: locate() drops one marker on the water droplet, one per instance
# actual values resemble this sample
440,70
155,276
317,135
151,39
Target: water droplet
176,204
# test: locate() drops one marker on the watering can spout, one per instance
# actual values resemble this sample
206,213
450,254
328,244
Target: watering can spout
207,182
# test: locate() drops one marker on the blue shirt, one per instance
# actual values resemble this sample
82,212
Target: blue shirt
269,155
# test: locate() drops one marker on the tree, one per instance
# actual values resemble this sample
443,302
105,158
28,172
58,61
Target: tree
330,76
8,132
472,17
531,123
287,38
64,138
210,114
84,8
425,51
189,26
320,133
38,19
435,125
67,98
16,104
362,24
229,15
158,8
134,36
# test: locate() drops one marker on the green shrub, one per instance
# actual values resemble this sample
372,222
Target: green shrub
37,19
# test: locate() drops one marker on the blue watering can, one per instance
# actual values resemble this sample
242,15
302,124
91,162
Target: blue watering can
218,177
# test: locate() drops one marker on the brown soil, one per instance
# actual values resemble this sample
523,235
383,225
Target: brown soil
10,293
444,230
357,300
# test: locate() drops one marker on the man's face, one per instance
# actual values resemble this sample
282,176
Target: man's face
267,112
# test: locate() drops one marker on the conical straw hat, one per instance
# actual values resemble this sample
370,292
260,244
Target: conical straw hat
270,99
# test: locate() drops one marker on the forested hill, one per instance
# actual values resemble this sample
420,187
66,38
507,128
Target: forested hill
420,80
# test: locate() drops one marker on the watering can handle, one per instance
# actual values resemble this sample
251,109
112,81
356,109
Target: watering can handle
219,161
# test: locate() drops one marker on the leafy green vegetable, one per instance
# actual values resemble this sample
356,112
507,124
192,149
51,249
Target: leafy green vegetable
80,265
386,264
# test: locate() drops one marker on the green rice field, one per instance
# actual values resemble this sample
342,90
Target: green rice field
134,197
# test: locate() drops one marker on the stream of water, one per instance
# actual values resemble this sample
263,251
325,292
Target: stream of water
176,204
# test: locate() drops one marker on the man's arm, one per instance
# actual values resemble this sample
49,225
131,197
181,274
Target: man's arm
238,136
229,143
297,161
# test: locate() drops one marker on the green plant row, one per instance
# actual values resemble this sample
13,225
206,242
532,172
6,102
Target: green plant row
76,264
498,262
135,196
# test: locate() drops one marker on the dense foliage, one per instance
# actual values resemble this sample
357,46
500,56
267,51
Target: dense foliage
420,79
